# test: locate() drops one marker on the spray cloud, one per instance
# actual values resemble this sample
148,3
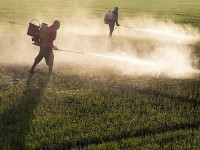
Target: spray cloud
143,45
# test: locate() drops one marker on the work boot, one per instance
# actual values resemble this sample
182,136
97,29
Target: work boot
110,35
31,71
32,68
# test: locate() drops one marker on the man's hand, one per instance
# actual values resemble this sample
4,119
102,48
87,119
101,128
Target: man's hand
55,48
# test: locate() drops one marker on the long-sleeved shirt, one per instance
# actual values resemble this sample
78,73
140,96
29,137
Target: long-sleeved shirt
115,16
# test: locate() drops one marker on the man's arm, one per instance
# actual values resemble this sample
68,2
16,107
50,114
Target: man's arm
53,37
55,47
117,20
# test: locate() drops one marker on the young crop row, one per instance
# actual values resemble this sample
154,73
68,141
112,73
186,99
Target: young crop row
74,111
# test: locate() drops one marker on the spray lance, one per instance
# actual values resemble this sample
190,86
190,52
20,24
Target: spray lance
129,27
69,51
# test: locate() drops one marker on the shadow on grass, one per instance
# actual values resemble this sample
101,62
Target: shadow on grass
117,137
194,100
143,132
15,121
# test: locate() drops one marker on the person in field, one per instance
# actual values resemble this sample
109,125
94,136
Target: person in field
111,18
47,47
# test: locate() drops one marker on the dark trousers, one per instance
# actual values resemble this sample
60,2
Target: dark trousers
111,27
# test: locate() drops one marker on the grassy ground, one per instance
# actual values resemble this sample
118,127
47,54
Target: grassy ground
101,109
180,11
79,111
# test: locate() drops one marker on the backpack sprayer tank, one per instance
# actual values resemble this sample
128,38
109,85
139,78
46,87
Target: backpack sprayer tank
108,17
37,33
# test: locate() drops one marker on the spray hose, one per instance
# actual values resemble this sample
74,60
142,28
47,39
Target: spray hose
69,51
128,27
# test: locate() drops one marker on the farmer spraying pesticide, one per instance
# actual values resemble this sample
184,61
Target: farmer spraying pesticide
47,47
110,18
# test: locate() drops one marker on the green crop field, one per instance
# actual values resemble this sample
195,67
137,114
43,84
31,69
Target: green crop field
80,107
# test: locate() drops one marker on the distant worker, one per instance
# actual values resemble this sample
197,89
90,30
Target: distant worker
47,47
110,18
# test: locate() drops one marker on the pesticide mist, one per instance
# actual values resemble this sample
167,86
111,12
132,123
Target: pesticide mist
140,46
